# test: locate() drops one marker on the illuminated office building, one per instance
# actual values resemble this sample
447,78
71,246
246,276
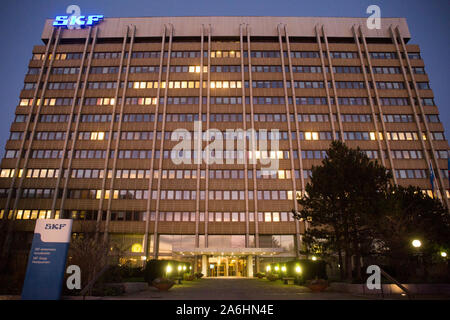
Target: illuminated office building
91,139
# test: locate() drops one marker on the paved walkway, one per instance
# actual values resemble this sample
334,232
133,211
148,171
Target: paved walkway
236,289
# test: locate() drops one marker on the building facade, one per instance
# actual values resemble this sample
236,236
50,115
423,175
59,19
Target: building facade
105,107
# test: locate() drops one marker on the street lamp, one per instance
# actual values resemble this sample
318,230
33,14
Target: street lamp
298,269
443,254
416,243
313,258
268,269
283,268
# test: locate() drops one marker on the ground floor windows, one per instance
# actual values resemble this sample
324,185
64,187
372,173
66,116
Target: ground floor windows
169,241
285,242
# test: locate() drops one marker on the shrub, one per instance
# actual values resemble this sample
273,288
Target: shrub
272,277
188,277
131,272
198,275
259,275
157,269
112,275
154,269
310,269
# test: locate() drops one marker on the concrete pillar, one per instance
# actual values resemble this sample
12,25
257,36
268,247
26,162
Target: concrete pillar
194,267
204,265
226,267
257,264
250,266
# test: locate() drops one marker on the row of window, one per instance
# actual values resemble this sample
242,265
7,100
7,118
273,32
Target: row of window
227,100
185,84
226,84
116,194
411,173
59,56
256,68
47,102
228,117
221,54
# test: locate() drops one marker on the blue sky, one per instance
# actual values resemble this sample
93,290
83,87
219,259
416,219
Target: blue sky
22,22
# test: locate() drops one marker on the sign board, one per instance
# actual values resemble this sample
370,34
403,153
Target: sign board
47,260
77,21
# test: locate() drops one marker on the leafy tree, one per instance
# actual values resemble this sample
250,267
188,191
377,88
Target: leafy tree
338,199
410,214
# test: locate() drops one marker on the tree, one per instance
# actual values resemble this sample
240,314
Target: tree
410,214
90,254
338,199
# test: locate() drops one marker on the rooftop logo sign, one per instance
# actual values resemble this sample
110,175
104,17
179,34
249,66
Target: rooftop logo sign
77,21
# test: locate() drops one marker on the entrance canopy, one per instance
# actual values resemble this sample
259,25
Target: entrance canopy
228,251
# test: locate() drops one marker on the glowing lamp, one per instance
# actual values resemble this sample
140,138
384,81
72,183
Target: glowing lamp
416,243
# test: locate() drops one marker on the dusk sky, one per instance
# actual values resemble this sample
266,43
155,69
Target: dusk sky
22,22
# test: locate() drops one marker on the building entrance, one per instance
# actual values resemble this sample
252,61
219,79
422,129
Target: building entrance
228,266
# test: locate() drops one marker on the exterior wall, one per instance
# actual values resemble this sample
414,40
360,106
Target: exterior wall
126,35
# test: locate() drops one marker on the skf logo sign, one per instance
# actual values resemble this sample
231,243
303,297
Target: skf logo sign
77,21
54,226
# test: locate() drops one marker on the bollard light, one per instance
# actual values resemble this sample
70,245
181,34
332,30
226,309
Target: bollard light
298,269
268,268
283,268
168,268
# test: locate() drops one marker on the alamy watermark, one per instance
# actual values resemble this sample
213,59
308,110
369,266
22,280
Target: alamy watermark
74,280
227,147
373,282
374,20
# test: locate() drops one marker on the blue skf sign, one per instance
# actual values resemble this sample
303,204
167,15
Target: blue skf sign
47,260
77,21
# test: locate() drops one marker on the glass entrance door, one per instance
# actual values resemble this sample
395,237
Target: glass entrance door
230,266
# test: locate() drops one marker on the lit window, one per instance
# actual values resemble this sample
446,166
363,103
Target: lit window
308,135
276,216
